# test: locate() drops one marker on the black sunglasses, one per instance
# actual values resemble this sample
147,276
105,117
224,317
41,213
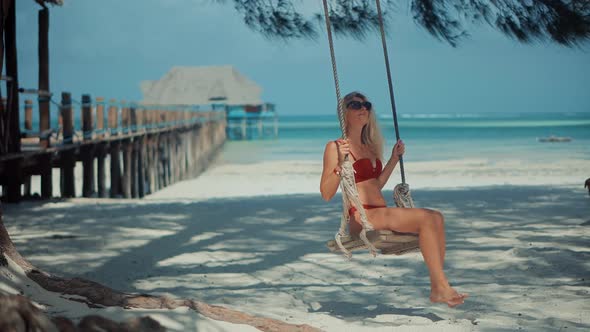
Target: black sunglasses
357,105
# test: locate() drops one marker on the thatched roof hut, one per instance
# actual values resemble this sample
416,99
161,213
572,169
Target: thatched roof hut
53,2
201,86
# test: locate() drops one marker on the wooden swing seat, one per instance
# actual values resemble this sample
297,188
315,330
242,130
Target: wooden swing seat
389,242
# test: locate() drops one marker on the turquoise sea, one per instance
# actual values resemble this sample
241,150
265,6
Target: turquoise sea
430,137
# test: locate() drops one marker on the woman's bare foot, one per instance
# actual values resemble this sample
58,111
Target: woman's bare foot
449,296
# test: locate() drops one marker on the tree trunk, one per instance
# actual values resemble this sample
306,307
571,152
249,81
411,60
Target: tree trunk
7,248
17,313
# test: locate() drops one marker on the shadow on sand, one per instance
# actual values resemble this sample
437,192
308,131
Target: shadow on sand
245,252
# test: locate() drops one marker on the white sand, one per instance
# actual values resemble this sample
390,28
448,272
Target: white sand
233,237
302,177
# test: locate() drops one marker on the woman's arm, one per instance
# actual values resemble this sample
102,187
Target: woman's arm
387,170
397,151
330,180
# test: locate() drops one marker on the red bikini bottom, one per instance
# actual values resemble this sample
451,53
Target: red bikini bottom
355,227
352,210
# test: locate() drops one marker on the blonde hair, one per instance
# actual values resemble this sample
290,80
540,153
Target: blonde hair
370,135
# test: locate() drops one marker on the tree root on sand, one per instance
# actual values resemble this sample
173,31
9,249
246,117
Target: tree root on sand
97,295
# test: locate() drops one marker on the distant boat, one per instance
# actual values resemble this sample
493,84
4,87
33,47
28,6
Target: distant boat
553,138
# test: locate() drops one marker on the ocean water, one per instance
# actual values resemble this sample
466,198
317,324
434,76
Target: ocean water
428,137
433,137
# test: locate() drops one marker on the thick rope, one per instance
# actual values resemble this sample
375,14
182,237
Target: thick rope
401,193
347,184
335,72
402,197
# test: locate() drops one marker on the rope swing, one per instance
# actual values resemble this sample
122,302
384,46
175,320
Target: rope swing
401,192
388,242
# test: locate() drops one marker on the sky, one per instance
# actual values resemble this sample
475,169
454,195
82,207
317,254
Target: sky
106,48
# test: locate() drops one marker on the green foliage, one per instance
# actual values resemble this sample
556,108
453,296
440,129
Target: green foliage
563,22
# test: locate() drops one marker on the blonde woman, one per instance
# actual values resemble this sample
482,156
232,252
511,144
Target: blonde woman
365,146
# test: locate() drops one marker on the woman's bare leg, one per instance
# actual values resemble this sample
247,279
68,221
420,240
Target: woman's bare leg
429,225
440,232
441,237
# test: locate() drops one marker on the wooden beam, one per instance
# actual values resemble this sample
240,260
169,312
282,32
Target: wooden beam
101,150
28,114
43,47
67,172
13,188
115,151
88,152
44,97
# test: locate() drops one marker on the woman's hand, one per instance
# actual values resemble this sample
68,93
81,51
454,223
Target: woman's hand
398,150
343,150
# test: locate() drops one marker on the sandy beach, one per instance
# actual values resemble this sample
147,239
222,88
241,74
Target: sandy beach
217,118
517,242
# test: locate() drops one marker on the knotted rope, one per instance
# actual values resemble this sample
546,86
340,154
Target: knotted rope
348,186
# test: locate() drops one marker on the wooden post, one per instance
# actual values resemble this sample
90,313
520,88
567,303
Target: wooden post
184,140
134,154
151,153
68,162
27,186
194,148
28,126
100,117
87,150
150,164
141,154
124,117
182,155
162,153
170,148
28,114
127,167
86,117
174,148
43,47
156,153
101,148
197,149
13,185
147,139
115,150
127,151
46,177
12,86
185,153
113,118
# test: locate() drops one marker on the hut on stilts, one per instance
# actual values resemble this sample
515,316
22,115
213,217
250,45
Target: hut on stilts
248,117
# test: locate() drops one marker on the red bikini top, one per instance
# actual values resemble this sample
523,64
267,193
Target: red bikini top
364,170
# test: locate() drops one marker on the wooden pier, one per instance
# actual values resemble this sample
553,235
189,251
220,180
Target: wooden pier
126,150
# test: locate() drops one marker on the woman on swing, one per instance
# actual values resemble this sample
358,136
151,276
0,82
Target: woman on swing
365,146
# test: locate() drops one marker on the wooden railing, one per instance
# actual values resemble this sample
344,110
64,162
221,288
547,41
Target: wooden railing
148,147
